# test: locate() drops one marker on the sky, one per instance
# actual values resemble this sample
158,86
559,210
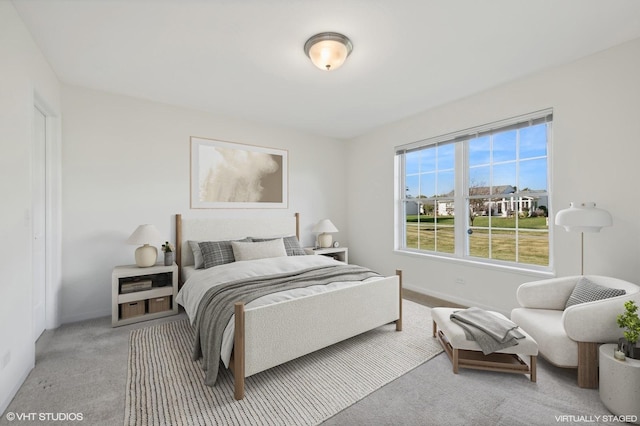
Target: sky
514,157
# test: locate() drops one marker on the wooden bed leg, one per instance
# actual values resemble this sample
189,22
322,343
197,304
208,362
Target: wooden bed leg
454,360
399,320
532,367
179,247
238,352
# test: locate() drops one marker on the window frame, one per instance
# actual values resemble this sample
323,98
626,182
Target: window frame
461,191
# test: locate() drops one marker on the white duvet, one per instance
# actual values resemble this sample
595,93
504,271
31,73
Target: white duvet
201,280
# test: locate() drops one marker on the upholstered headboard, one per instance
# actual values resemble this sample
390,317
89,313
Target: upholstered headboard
220,229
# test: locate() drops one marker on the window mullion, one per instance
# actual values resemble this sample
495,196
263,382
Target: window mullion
459,201
519,199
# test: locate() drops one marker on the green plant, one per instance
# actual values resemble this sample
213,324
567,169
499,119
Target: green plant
630,322
167,247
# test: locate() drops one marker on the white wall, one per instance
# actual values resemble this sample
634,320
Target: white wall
595,153
24,74
125,162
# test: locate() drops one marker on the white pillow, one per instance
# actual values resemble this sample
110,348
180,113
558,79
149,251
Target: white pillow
291,244
258,250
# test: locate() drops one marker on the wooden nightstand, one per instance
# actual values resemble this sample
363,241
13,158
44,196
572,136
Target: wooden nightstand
141,294
338,253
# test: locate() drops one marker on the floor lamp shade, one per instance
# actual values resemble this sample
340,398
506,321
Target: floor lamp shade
147,254
324,228
582,218
585,217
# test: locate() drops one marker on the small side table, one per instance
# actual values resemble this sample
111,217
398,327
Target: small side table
154,297
338,253
620,384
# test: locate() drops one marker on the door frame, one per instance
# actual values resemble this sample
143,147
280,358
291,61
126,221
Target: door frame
53,216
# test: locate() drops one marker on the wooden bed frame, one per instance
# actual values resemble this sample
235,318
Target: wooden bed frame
271,335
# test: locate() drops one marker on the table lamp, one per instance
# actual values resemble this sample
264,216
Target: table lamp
146,255
324,228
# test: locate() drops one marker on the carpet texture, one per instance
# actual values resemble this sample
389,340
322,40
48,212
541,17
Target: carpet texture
164,387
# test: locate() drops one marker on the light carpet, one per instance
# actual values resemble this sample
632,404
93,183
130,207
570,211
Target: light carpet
165,387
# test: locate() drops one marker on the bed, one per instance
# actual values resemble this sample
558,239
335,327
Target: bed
269,330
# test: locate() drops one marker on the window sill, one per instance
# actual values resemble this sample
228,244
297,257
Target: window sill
538,273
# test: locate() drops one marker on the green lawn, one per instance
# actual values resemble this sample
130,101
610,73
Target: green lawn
503,243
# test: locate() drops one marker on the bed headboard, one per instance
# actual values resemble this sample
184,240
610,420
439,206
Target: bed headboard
219,229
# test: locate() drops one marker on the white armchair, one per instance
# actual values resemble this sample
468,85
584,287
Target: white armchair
570,337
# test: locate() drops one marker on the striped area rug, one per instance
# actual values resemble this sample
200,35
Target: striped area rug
164,387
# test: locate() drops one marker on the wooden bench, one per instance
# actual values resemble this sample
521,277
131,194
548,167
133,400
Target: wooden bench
465,353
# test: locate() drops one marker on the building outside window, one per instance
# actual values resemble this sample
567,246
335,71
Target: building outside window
481,194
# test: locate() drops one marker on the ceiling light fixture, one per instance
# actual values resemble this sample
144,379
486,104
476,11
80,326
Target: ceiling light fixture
328,51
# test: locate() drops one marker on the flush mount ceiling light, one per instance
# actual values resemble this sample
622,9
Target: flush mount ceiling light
328,51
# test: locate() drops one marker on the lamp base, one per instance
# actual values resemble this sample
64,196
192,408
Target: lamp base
325,240
146,256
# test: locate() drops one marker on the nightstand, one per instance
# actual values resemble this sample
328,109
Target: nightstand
338,253
141,294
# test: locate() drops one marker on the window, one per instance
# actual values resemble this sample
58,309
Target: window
481,194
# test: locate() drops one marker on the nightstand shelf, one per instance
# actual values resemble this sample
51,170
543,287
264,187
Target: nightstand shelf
338,253
155,297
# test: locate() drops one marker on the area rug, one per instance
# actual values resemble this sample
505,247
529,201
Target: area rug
165,387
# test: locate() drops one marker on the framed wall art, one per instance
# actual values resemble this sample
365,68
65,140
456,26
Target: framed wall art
233,175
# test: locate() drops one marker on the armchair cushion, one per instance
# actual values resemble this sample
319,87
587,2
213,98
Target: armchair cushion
546,328
587,291
551,293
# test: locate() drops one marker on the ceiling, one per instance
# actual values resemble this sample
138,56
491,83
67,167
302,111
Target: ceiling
245,59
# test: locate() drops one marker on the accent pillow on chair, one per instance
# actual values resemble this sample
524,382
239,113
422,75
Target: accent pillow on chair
586,291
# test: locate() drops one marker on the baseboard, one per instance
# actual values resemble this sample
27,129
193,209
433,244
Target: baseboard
86,316
434,299
427,300
6,399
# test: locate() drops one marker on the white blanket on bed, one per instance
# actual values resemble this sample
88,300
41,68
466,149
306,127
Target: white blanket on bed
201,280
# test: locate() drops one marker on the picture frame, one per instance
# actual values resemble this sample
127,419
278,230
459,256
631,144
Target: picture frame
235,175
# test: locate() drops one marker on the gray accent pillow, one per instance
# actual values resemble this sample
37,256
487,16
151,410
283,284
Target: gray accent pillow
215,253
198,260
291,245
587,291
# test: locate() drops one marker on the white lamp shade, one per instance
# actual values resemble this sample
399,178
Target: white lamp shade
585,217
145,234
146,255
325,225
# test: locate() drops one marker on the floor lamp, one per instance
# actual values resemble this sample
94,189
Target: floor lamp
583,218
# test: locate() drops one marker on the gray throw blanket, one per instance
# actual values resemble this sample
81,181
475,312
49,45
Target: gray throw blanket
489,331
217,305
